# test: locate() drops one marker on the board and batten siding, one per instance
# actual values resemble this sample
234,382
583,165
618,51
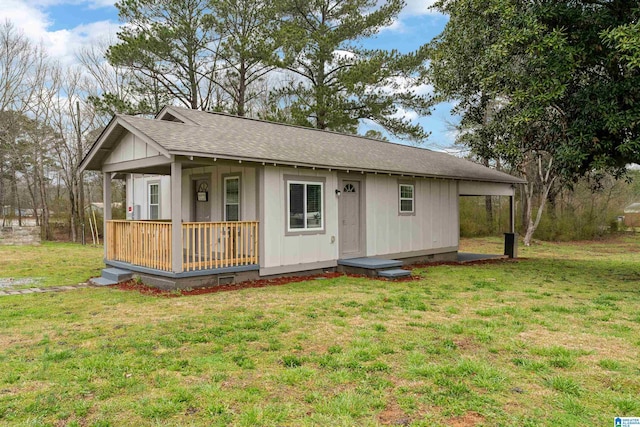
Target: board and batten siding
216,174
434,225
137,192
288,253
137,187
129,148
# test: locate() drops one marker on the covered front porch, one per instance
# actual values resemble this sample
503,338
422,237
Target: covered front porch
206,247
186,216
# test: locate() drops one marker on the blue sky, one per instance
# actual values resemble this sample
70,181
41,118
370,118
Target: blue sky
65,26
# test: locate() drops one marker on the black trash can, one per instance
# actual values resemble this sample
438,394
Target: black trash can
511,245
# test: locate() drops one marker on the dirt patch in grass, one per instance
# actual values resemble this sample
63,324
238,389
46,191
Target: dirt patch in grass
600,346
393,415
469,419
466,344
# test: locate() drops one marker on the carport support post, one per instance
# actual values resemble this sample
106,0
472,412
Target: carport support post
511,238
512,214
176,216
106,198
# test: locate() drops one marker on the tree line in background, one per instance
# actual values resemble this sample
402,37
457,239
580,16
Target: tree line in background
46,124
547,90
579,213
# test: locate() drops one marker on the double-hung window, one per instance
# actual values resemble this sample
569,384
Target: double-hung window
232,198
154,201
407,199
305,206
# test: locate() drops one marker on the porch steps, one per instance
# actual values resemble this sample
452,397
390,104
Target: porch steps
396,273
101,281
374,267
370,263
112,276
116,274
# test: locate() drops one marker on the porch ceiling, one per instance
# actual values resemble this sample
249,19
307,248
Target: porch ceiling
153,170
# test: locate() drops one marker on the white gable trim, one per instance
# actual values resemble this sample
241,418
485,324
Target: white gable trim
97,146
107,133
144,138
168,110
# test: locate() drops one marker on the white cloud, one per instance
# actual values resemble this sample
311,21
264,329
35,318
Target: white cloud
396,26
32,19
411,9
419,7
64,44
97,4
409,115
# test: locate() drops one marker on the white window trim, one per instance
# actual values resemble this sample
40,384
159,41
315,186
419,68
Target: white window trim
149,204
412,198
305,229
224,196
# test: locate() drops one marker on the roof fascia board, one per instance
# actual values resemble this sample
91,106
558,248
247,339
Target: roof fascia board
336,168
131,165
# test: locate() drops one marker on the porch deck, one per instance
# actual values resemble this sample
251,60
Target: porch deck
205,245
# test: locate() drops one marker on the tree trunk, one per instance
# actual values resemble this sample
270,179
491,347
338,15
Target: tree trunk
45,232
546,182
73,223
16,197
488,203
34,200
2,194
242,89
488,206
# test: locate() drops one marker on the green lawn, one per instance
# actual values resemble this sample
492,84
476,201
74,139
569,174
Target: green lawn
50,264
548,341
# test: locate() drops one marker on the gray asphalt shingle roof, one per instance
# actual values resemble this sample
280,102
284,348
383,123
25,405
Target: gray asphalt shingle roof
226,136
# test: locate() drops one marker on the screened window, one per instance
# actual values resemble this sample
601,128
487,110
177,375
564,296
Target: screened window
406,198
305,206
154,201
232,198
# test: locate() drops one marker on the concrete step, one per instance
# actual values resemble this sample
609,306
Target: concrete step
116,274
370,263
396,273
101,281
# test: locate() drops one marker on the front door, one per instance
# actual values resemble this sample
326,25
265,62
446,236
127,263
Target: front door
350,219
202,214
203,202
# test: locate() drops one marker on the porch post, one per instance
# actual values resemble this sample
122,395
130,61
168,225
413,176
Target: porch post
176,216
512,214
106,198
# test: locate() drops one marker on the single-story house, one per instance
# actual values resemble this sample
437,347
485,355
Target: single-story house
632,215
214,198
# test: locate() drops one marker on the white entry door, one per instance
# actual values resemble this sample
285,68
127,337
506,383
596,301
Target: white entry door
350,231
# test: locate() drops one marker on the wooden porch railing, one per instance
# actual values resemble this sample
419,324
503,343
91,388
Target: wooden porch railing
206,245
209,245
145,243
